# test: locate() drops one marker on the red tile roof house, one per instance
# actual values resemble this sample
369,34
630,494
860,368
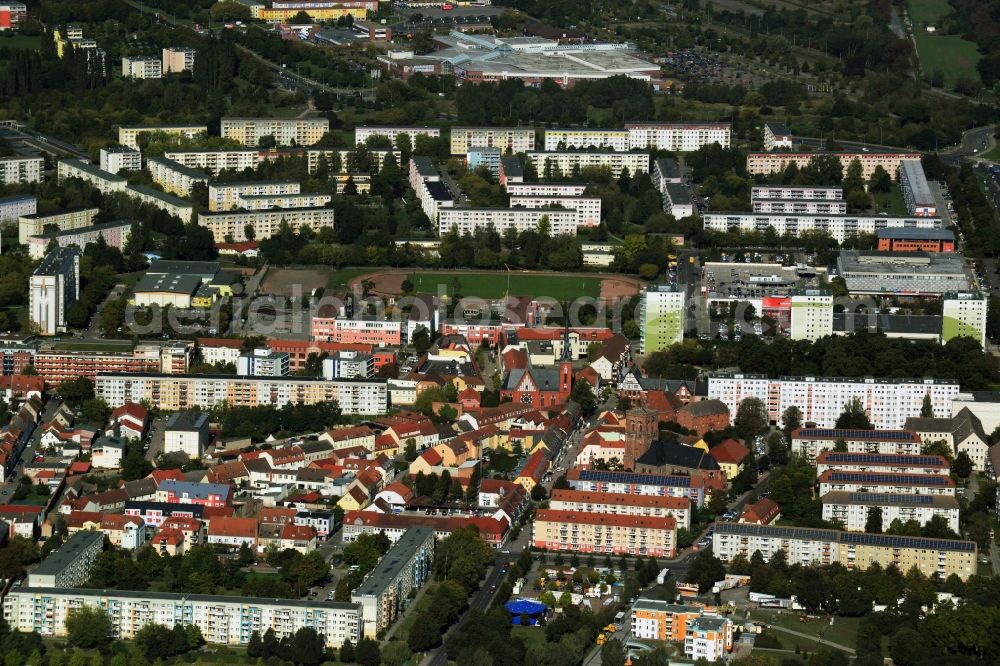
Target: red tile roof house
231,531
704,415
762,512
132,420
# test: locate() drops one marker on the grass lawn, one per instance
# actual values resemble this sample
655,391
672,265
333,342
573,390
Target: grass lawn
844,630
530,635
951,54
993,155
890,202
338,279
130,279
11,41
928,11
495,285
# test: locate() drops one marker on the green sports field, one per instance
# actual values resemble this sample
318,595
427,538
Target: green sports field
928,11
495,285
951,54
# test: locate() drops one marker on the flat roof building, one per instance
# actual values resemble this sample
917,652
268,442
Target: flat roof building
904,274
908,239
916,191
406,567
69,565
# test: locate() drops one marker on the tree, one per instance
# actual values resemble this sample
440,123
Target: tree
367,652
777,449
840,445
307,647
347,651
751,418
791,419
421,340
255,648
963,465
410,450
927,409
717,504
88,627
583,395
873,523
706,570
854,416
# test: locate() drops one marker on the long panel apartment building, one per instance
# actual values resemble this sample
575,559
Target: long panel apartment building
286,131
168,203
566,162
765,163
17,206
176,392
938,558
896,463
582,137
799,206
613,534
507,139
114,234
384,593
678,137
632,483
851,509
545,189
888,402
214,161
678,508
835,480
56,364
21,169
269,201
588,209
34,224
364,132
129,136
916,191
222,620
468,220
811,443
346,160
840,227
226,195
103,181
175,177
796,193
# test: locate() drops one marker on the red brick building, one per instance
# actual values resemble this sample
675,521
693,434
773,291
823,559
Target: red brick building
704,415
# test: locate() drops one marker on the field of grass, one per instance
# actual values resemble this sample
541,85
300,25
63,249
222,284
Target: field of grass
928,11
890,202
843,632
993,155
12,41
495,285
952,55
530,635
338,279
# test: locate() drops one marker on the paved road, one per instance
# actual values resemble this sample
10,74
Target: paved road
974,141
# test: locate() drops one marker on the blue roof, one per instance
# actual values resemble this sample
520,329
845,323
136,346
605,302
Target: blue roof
525,606
200,490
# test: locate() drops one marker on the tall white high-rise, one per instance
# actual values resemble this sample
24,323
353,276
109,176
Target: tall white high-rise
661,317
54,286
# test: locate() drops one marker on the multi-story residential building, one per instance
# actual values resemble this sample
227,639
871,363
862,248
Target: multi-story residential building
11,14
207,495
225,196
661,317
904,239
903,274
262,362
888,402
286,201
394,526
348,364
677,200
678,508
810,442
777,135
964,314
52,288
69,564
364,132
129,136
21,170
155,514
265,223
178,59
104,181
286,131
578,532
521,189
405,568
795,193
281,11
120,158
896,463
220,350
484,157
142,67
168,203
34,224
799,206
114,234
214,161
665,172
885,482
937,558
840,227
677,137
852,509
222,620
765,163
176,392
655,619
565,163
174,177
631,483
16,354
917,194
338,161
432,194
19,205
583,137
812,314
186,432
468,220
709,638
588,209
507,139
357,330
57,364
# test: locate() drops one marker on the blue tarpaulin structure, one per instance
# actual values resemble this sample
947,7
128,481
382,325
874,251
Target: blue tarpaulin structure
527,607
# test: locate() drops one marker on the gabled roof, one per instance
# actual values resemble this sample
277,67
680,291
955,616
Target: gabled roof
663,453
613,348
706,408
967,424
432,457
729,451
229,526
762,511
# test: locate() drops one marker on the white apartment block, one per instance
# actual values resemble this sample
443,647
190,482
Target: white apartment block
269,201
215,351
678,137
222,620
314,155
265,223
286,131
129,136
777,135
964,314
34,224
15,170
507,139
178,59
16,206
545,189
812,314
808,206
349,364
263,362
765,163
565,163
120,158
896,463
811,442
561,139
177,392
840,227
916,191
166,202
224,195
661,317
467,220
186,432
52,288
677,200
851,509
888,402
665,172
886,483
214,161
115,234
101,180
365,132
69,565
770,192
142,67
588,209
174,177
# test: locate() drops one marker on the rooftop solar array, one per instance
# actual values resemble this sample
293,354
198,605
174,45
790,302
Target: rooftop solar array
873,458
601,476
883,478
891,500
885,435
850,538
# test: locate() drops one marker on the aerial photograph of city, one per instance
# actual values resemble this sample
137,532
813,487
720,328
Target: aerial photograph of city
500,333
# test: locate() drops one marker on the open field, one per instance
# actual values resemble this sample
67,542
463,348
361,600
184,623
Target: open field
12,41
283,281
890,202
993,155
951,54
844,630
339,279
927,11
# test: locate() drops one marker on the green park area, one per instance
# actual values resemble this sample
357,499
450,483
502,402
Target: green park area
953,56
928,12
843,631
493,285
890,202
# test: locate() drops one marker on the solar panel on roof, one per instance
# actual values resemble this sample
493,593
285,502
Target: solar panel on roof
881,477
856,538
829,433
900,458
889,499
630,477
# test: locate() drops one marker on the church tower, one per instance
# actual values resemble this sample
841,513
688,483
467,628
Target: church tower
641,428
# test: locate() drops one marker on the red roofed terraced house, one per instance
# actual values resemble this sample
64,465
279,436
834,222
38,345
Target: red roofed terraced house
493,530
533,471
615,534
762,512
